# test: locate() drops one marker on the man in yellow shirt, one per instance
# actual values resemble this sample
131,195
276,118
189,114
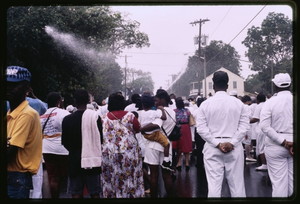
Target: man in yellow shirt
24,134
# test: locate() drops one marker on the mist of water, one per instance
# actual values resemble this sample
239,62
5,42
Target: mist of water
76,46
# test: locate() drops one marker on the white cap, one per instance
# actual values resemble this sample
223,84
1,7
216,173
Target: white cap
70,108
233,93
90,106
282,80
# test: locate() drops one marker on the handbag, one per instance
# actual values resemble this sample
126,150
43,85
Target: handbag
176,132
192,120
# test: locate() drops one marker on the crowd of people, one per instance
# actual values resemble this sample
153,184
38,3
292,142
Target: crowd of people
117,149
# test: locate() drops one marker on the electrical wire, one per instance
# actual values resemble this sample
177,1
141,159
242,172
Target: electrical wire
210,35
239,32
221,21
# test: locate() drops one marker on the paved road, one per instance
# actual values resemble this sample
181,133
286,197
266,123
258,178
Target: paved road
193,184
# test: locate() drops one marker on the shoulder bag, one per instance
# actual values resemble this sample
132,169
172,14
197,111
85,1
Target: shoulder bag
176,132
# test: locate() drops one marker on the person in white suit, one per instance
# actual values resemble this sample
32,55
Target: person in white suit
222,121
276,121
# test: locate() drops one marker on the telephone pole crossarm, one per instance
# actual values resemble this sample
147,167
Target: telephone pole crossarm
200,22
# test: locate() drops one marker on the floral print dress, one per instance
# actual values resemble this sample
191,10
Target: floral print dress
122,174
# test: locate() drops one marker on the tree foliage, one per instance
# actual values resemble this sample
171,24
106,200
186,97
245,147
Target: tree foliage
138,79
217,55
270,45
54,67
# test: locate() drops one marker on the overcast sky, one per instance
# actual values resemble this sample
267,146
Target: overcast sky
171,34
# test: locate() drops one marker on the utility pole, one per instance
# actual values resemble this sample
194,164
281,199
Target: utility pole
125,72
200,22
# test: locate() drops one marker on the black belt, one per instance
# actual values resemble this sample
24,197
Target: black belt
222,137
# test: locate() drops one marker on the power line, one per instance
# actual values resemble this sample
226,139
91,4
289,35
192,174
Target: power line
239,32
221,21
248,23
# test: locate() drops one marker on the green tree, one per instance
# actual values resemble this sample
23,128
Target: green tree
57,68
217,55
270,47
139,79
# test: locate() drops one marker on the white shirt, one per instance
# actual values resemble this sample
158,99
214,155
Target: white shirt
53,126
168,126
277,116
173,106
102,110
257,110
131,107
147,117
222,116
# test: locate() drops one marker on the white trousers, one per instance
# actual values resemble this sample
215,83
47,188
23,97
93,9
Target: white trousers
217,164
37,182
280,169
260,143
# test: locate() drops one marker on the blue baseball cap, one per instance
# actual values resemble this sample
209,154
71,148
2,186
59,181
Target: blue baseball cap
17,74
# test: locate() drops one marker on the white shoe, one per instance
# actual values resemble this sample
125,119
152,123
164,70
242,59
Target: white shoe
250,159
262,168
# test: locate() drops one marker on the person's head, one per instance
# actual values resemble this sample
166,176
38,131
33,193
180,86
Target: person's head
179,103
282,82
18,83
54,99
199,101
261,97
233,93
253,100
116,102
162,98
186,103
147,101
81,97
172,96
134,97
71,108
220,79
246,99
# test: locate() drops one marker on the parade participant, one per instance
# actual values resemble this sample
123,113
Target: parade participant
132,107
184,144
81,136
122,173
247,140
276,121
24,132
54,153
147,116
260,136
222,121
154,152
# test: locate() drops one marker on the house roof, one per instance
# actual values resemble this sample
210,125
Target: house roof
225,70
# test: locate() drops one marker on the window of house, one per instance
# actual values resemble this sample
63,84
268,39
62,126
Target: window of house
210,86
235,84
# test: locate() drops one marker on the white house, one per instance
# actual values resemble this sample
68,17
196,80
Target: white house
235,83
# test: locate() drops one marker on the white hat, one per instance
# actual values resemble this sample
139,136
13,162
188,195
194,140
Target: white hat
233,93
282,80
90,106
70,108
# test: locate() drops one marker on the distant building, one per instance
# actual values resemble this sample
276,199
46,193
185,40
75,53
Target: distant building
235,83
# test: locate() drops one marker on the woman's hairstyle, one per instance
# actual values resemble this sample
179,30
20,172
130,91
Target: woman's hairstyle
116,101
52,99
162,94
82,97
179,103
